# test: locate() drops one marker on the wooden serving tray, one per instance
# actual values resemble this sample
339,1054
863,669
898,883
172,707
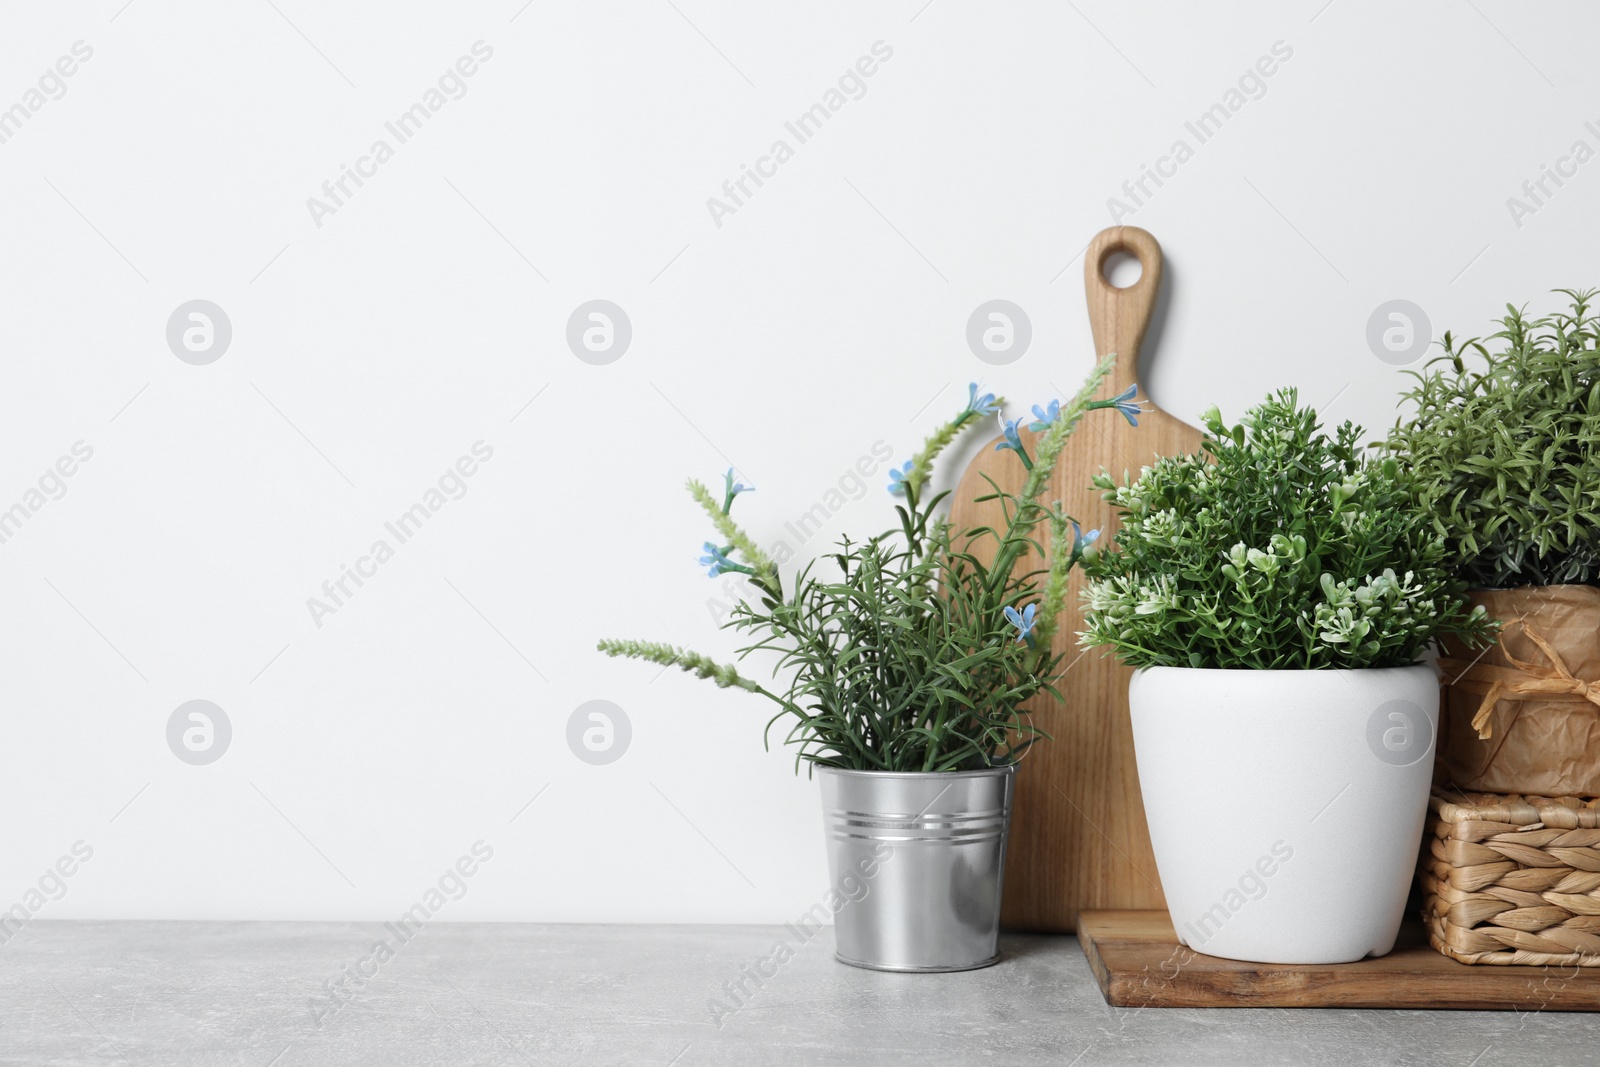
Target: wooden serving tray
1138,962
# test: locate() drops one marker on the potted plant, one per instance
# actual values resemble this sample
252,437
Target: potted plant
907,663
1504,447
1274,593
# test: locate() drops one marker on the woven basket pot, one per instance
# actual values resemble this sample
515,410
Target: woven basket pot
1512,879
1285,807
1521,717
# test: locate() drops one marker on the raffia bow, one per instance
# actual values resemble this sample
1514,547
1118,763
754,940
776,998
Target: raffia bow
1519,681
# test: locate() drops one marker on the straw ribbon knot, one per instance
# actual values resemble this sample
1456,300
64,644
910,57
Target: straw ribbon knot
1522,679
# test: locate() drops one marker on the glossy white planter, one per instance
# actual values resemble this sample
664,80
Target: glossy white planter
1285,807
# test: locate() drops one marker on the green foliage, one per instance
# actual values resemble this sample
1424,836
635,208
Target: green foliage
904,661
1277,547
1506,453
900,651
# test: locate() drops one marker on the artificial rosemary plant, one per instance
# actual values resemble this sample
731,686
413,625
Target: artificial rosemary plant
906,652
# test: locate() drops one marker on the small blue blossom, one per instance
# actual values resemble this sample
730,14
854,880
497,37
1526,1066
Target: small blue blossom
715,560
735,488
1045,416
1022,620
1125,404
1081,540
980,405
898,478
1013,440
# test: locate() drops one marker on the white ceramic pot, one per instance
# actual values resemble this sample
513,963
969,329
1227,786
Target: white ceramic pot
1285,807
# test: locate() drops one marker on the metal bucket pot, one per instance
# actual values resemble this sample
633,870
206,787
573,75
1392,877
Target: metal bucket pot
916,861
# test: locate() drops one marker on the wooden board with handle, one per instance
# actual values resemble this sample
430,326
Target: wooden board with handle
1078,833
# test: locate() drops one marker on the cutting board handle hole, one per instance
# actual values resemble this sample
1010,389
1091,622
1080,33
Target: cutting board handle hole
1122,270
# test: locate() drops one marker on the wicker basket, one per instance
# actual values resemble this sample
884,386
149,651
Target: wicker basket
1510,879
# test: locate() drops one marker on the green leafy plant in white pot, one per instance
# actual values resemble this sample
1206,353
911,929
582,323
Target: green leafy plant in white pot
906,661
1275,593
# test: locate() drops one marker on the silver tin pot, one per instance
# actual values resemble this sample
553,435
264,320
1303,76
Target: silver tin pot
917,860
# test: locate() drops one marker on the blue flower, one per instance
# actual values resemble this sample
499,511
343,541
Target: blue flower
735,488
1130,410
980,405
898,477
1013,441
1045,416
715,560
1081,540
1022,620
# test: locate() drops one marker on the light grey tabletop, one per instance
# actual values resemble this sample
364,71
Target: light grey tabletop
262,994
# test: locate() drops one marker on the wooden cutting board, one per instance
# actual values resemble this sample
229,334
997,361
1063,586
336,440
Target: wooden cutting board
1138,962
1078,834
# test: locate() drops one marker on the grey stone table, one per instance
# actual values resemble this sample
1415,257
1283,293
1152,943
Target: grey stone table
286,994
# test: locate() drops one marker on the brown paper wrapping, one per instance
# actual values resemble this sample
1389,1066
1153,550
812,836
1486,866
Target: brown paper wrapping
1540,735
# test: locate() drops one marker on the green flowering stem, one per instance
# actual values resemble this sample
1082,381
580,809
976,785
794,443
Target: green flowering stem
725,675
731,489
1055,438
937,442
1049,447
1064,555
693,662
914,517
760,566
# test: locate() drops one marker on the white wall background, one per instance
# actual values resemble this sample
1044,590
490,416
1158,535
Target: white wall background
372,351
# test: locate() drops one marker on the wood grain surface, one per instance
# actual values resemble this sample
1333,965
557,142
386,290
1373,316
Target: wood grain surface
1138,962
1078,834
